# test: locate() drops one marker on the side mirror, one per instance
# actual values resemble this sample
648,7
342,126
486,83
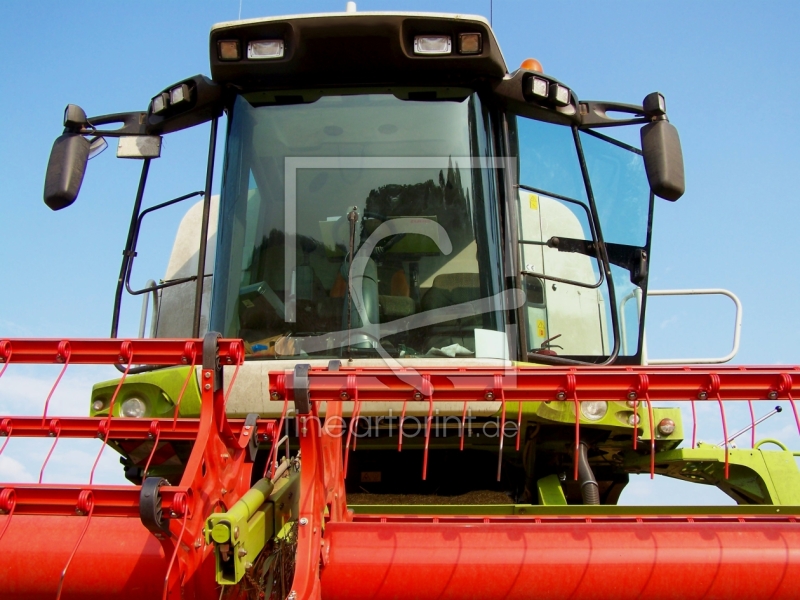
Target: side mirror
65,170
661,149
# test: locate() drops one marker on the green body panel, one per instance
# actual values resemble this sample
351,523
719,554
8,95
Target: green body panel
159,389
550,491
242,532
755,476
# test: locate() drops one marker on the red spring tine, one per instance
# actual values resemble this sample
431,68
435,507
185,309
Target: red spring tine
85,507
155,433
498,389
403,420
190,357
652,437
785,387
715,385
352,391
8,502
5,355
635,430
427,439
55,432
644,389
519,423
5,431
126,356
752,424
237,353
180,507
272,458
694,425
570,391
463,424
62,357
352,388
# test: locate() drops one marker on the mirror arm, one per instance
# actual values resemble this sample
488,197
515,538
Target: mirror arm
594,113
133,123
632,258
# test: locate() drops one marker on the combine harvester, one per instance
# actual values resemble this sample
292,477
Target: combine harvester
429,378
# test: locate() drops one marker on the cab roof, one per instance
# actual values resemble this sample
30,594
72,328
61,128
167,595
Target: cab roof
355,49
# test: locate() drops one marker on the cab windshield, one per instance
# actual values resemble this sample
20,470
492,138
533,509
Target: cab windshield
360,225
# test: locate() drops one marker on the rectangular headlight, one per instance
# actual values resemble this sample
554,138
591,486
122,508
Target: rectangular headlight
539,87
433,44
160,103
265,49
180,93
559,95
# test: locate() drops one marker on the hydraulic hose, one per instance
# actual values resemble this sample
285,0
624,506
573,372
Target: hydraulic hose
589,489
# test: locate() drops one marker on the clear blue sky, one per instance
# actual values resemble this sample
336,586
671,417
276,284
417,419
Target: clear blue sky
729,71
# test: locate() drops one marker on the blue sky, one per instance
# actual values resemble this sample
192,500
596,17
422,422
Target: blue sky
728,70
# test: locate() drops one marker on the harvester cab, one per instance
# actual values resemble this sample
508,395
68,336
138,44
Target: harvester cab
413,362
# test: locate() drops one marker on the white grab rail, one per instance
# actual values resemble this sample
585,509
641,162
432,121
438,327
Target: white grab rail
737,328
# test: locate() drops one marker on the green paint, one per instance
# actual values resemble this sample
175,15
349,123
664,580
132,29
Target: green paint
159,389
550,491
756,476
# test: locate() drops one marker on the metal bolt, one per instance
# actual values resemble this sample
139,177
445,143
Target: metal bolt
236,533
207,387
121,359
632,396
275,396
417,396
702,395
561,396
184,360
344,396
223,491
242,553
198,543
773,395
562,476
303,521
489,396
292,595
248,565
207,375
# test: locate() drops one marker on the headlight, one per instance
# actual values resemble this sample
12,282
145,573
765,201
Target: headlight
98,405
595,410
133,407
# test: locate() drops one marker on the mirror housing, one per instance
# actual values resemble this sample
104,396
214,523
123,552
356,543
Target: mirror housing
65,170
661,150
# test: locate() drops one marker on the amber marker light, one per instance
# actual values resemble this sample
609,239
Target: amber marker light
531,64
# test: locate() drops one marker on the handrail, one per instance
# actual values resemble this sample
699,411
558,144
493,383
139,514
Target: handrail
737,328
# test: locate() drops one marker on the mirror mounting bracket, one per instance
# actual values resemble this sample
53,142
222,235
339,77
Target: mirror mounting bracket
632,258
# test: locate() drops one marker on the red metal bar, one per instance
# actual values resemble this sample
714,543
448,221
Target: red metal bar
529,384
59,499
108,351
121,428
556,557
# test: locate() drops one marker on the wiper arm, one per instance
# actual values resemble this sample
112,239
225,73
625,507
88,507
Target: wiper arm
631,258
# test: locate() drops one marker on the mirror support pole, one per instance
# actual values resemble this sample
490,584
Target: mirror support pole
201,256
